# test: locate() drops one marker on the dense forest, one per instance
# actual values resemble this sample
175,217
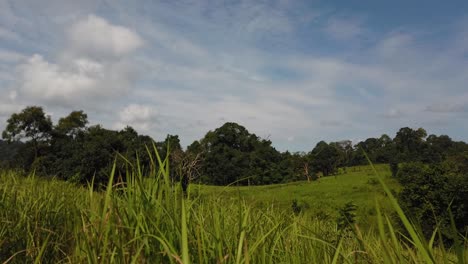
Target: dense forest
433,170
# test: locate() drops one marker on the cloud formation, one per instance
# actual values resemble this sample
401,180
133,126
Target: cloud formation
140,117
96,37
294,71
92,66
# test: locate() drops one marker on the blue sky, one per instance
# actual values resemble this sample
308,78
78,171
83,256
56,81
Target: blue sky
295,72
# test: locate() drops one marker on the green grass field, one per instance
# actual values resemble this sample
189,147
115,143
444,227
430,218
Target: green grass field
321,198
149,221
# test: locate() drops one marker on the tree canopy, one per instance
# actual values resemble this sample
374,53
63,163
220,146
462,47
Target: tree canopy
31,123
233,155
230,154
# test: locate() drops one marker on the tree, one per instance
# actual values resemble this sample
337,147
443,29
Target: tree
264,163
66,140
378,150
386,149
410,143
345,150
429,191
231,153
97,153
135,149
325,158
188,168
393,168
370,147
72,124
226,158
294,167
30,124
8,153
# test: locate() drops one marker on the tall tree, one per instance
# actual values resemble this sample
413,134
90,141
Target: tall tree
231,153
225,159
30,124
410,143
325,158
72,124
345,150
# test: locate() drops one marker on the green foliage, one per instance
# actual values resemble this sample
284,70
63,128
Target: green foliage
317,199
144,217
409,142
346,216
295,167
295,207
232,155
394,167
299,206
71,150
325,158
8,152
72,124
148,221
430,192
31,123
228,155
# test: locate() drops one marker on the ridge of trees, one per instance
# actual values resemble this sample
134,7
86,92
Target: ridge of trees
72,150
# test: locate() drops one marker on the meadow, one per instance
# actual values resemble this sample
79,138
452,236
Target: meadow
320,198
148,219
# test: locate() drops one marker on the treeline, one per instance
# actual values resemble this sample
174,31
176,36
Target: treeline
433,170
72,150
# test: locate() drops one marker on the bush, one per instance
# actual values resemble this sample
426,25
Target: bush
347,216
429,192
299,206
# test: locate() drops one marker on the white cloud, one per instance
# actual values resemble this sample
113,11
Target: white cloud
47,80
140,117
94,36
137,113
94,65
396,70
205,63
76,81
8,104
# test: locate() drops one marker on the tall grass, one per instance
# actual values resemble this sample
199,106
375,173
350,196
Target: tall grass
148,219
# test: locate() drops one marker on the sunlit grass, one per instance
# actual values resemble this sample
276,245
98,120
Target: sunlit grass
149,220
318,199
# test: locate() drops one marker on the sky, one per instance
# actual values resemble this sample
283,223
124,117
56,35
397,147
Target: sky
294,72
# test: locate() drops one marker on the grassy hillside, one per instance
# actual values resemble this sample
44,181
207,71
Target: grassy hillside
322,198
150,221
